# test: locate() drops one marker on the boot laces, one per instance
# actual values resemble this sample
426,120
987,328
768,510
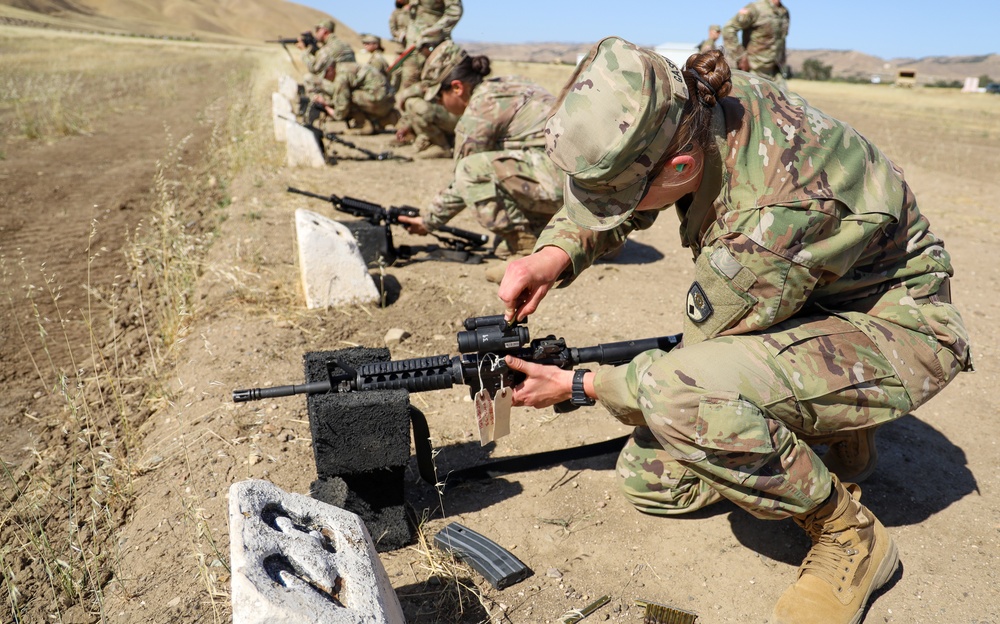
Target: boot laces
834,557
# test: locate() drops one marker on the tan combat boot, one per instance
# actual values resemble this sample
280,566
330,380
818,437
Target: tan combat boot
431,151
515,245
362,126
852,556
851,455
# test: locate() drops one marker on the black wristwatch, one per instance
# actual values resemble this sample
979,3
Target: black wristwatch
579,397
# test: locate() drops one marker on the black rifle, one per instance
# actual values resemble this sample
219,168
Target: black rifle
307,38
310,109
483,345
333,136
461,244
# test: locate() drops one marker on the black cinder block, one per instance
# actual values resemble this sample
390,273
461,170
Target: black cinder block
377,499
374,242
356,432
361,443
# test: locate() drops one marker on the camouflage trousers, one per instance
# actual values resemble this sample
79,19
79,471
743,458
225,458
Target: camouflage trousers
409,71
732,416
509,191
429,120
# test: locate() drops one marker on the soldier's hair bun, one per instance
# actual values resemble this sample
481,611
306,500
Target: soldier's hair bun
481,65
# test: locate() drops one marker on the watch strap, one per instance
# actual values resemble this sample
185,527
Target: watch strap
578,396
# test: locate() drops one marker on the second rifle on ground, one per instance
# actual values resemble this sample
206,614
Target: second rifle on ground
460,245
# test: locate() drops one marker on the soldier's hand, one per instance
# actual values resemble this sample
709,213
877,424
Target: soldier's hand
743,64
528,279
414,225
543,385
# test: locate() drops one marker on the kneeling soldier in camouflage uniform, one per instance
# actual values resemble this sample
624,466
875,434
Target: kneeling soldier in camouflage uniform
330,47
501,170
357,94
820,307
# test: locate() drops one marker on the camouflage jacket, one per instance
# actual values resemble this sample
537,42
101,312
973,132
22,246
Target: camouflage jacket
399,21
505,113
797,213
332,47
431,21
376,60
764,28
352,77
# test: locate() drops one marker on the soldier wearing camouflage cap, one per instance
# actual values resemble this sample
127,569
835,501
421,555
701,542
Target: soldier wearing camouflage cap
820,306
373,46
713,39
430,123
357,94
331,50
502,172
761,49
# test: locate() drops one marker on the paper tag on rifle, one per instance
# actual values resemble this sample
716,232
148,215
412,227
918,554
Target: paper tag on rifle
484,416
501,412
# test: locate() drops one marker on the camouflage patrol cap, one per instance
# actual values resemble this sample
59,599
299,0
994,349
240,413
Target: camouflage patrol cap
327,24
611,127
445,57
367,38
715,27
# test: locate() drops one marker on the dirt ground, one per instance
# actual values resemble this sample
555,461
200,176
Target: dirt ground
936,488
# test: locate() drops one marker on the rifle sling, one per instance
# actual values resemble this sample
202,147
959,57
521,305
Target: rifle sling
533,461
422,445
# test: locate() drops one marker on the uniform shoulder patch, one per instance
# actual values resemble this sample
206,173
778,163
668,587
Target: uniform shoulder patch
699,308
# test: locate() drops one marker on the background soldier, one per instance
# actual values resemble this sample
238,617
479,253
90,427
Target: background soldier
330,46
373,46
501,170
713,38
356,94
399,21
761,49
431,22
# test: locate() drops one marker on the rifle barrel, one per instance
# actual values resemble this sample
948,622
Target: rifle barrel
257,394
329,198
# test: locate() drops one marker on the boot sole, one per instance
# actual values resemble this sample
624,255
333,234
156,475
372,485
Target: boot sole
888,567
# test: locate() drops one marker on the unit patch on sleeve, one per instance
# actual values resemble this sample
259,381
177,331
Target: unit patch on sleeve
699,308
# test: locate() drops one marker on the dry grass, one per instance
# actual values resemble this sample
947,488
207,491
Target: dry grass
64,510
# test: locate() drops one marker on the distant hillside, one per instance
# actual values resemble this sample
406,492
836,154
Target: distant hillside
212,20
255,20
844,63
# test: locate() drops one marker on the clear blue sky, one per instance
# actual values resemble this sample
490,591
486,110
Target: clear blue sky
885,28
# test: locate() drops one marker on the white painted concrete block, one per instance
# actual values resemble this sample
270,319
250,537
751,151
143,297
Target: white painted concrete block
301,147
333,270
288,88
281,112
295,559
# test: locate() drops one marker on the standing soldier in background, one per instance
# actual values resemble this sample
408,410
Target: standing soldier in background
764,26
502,172
399,21
713,38
431,22
373,46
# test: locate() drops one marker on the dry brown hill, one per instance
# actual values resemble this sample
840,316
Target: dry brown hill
212,20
